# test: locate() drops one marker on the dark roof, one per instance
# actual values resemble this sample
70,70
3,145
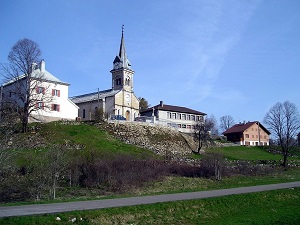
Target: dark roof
94,96
173,108
241,127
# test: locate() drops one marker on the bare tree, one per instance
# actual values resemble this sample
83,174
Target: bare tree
202,133
226,122
57,164
283,120
213,124
25,87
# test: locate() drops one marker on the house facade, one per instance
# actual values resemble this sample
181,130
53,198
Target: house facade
120,100
249,134
49,95
182,118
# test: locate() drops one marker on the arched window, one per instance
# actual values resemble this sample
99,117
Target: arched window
127,81
118,81
83,113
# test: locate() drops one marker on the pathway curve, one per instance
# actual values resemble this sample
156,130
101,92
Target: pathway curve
7,211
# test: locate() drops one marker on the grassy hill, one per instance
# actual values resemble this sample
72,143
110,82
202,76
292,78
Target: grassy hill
90,161
80,136
129,139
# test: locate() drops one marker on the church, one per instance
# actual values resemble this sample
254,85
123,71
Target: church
117,102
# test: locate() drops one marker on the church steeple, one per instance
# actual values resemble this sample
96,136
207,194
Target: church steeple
122,74
121,60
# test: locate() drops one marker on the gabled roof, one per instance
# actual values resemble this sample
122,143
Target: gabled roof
241,127
94,96
44,75
173,108
48,76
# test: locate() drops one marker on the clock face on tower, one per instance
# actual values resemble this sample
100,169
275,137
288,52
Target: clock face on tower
127,98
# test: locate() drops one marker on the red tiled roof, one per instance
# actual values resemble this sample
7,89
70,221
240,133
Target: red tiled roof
173,108
241,127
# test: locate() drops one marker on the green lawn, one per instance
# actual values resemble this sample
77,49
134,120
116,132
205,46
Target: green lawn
271,207
247,153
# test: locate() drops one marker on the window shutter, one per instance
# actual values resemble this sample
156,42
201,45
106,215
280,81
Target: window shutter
53,92
43,91
58,93
58,108
52,107
37,89
36,105
42,105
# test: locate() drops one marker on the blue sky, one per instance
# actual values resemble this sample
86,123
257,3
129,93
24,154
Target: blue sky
233,57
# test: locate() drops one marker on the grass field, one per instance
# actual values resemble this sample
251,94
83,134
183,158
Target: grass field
248,153
272,207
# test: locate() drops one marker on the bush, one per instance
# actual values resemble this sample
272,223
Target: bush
14,189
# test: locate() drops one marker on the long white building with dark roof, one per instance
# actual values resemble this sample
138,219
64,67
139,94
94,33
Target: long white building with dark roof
184,119
120,100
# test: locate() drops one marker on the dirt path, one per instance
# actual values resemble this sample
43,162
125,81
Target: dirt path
8,211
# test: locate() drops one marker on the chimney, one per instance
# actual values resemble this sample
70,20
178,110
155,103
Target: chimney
42,65
161,104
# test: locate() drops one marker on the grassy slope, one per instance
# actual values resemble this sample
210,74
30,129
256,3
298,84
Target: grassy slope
90,137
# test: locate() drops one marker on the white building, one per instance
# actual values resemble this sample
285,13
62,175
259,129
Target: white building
49,96
118,101
184,119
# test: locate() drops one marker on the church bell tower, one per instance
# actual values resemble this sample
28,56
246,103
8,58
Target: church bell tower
122,74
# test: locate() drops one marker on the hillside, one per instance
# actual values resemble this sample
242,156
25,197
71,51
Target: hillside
109,138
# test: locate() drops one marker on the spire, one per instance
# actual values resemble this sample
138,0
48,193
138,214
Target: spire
121,60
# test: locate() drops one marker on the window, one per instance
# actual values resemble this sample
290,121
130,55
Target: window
246,135
188,126
40,105
183,116
173,116
169,115
179,125
252,136
193,117
118,81
40,90
55,107
189,117
127,81
55,92
83,113
183,126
